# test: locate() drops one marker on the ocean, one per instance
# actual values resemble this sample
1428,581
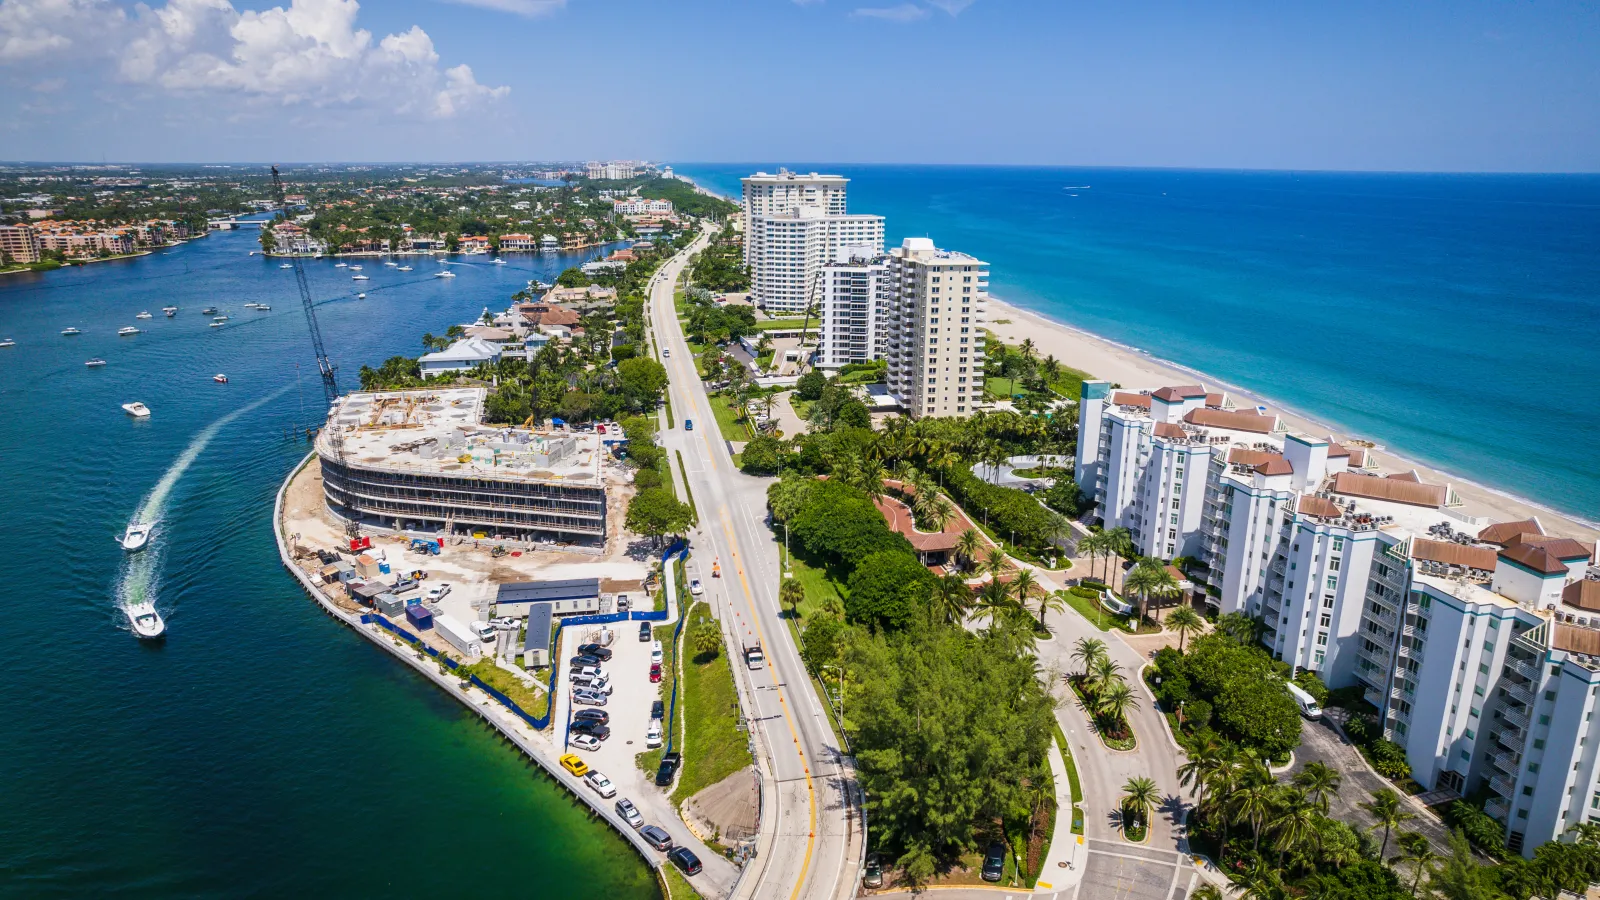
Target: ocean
1454,319
262,749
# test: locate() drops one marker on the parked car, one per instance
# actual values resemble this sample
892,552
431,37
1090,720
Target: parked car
622,603
585,742
695,587
994,861
583,660
629,813
644,632
658,709
592,715
574,764
656,837
592,729
601,784
873,876
652,737
588,698
655,673
684,859
596,651
668,768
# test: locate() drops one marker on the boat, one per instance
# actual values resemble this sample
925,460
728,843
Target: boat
95,363
126,330
359,278
404,269
262,307
361,296
391,264
69,332
220,378
147,623
287,266
8,342
444,274
250,305
355,268
137,410
170,311
219,318
144,315
209,311
136,537
218,324
341,265
499,262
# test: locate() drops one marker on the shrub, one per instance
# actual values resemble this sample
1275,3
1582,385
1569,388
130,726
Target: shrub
647,478
1197,714
1389,759
1085,593
1010,511
1311,684
886,588
810,385
1360,730
1349,697
1481,830
1172,690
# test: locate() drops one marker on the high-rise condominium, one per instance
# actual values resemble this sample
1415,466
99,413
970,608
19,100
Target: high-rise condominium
794,225
938,302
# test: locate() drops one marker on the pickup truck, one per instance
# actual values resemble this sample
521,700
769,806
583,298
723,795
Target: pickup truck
753,657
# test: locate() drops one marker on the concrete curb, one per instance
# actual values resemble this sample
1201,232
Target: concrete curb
1166,727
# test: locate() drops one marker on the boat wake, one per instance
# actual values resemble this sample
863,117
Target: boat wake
138,585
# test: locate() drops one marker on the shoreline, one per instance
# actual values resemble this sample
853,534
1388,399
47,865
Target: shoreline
1137,370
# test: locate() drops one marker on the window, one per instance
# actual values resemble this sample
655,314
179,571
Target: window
1469,734
1527,790
1327,599
1549,695
1538,743
1475,712
1322,639
1338,544
1544,720
1333,583
1483,668
1333,564
1534,768
1478,689
1326,620
1466,755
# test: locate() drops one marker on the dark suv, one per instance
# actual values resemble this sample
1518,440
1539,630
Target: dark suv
644,632
685,859
595,650
658,709
589,726
669,768
994,861
592,715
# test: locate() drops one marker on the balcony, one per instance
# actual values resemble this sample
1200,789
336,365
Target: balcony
1522,693
1526,669
1503,785
1509,763
1515,716
1498,808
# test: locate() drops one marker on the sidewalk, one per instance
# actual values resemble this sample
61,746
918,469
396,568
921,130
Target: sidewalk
1063,866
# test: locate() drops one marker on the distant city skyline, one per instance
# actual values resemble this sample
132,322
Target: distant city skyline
1364,86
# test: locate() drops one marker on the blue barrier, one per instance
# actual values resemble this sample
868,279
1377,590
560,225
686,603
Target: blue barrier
654,615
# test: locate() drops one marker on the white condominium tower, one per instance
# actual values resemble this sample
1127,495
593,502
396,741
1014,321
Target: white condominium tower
1477,643
794,224
938,302
855,290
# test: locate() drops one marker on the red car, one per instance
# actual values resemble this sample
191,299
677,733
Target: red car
655,673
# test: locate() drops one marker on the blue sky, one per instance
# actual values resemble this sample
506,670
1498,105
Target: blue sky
1418,86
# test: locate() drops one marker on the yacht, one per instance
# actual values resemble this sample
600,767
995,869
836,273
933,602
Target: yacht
445,274
209,311
341,265
144,315
361,296
136,537
391,264
403,269
359,278
218,324
170,311
146,622
69,332
126,330
137,410
219,318
499,262
262,307
355,268
95,363
286,266
8,342
220,378
250,305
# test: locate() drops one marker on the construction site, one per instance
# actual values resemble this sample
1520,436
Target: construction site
422,463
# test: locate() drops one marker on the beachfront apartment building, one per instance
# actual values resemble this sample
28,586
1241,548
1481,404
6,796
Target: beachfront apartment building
19,244
794,224
938,302
1477,643
855,297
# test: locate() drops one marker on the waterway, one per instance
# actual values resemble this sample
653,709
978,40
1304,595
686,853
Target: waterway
261,749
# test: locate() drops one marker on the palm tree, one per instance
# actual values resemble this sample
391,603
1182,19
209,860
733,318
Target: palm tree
791,593
1296,823
1119,542
952,597
994,562
1051,601
1139,796
1024,585
1320,781
1087,650
1149,577
1252,801
1207,892
1415,849
1091,545
1386,808
993,602
967,547
1115,700
1185,621
1586,834
1102,674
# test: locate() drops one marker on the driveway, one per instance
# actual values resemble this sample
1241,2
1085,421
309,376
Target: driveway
1321,742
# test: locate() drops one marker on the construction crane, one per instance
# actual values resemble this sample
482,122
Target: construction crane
330,383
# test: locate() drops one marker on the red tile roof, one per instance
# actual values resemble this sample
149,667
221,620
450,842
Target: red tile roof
1278,466
1583,594
1412,477
1564,549
1123,398
1321,507
1180,393
1169,430
1536,558
1506,532
1452,553
1246,457
1572,639
1394,490
1233,420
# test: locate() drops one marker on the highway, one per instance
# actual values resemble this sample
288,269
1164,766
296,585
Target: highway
814,847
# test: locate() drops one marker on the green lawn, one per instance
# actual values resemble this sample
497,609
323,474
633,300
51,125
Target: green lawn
533,702
727,419
1097,616
820,586
677,886
785,324
802,408
714,746
1003,388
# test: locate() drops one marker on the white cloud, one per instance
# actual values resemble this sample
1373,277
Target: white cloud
529,8
953,7
905,12
308,53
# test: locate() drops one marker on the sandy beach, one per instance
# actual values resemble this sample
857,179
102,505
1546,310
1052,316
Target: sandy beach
1138,371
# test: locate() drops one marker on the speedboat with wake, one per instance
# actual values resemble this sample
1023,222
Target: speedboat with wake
209,311
95,363
144,315
359,278
147,623
403,269
499,262
445,274
8,342
170,311
136,409
126,331
136,537
220,378
69,332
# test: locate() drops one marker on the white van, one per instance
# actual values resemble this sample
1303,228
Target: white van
655,652
1308,704
652,738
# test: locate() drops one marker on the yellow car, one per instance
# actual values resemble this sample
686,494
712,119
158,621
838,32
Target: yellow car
574,764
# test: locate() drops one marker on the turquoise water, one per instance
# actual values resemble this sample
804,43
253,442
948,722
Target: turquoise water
1453,318
263,749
